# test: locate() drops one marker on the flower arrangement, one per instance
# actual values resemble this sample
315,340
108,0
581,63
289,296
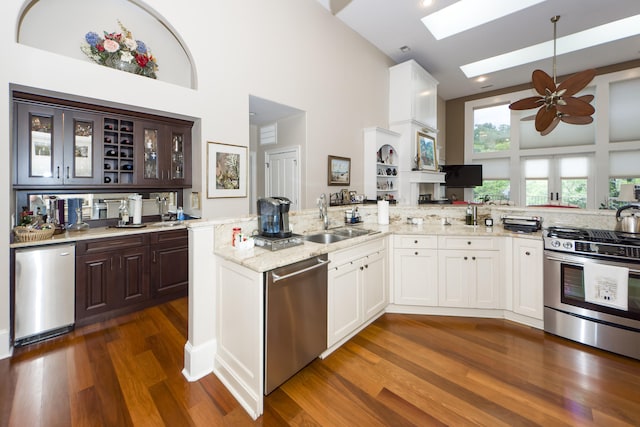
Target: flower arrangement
121,51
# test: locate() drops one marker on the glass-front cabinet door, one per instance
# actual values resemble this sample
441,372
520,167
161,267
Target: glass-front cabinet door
165,150
39,140
55,146
82,156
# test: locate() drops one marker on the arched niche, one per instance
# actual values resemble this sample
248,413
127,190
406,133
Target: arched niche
60,26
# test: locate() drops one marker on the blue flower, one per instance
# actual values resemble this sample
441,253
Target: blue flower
142,48
92,38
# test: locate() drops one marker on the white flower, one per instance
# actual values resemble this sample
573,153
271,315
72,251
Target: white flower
111,46
126,56
130,43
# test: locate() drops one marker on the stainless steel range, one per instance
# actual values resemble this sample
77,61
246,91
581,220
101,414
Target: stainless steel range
592,288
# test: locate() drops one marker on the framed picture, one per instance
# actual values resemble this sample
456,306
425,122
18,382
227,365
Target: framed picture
339,171
426,152
226,170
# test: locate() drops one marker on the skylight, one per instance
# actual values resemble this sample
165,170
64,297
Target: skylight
467,14
605,33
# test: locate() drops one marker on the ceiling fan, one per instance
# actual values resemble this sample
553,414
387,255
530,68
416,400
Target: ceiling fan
556,102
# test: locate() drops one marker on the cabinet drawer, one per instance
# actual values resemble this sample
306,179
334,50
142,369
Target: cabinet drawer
112,243
419,242
468,242
353,253
174,237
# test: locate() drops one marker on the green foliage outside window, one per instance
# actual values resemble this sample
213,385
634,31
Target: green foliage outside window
488,137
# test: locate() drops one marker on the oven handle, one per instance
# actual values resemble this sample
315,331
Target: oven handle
579,263
295,273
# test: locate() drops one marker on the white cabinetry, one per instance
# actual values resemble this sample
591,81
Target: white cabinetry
527,277
415,266
469,272
413,94
357,288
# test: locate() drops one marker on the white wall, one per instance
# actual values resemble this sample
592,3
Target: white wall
291,50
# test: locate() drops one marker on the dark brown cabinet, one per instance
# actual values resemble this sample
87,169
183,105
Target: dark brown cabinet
169,263
124,274
57,146
164,153
61,142
112,277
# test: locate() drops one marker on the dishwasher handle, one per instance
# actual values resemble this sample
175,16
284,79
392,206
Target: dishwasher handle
295,273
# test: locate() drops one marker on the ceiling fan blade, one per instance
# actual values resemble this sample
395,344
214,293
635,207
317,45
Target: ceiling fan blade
577,82
551,127
544,118
337,5
577,120
542,81
527,103
585,98
575,107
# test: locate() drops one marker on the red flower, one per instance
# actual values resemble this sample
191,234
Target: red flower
100,47
142,60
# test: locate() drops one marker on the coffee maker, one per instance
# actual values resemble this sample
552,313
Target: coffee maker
273,217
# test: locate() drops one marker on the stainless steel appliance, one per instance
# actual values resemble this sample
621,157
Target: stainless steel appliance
295,319
277,243
273,217
525,224
592,288
44,292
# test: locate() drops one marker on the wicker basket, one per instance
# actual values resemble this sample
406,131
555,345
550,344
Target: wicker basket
27,234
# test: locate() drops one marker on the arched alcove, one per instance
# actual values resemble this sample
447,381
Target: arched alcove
60,26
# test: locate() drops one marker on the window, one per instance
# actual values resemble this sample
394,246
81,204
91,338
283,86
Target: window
492,190
557,180
624,110
491,129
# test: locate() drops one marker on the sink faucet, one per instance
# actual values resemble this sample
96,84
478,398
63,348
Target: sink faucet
322,205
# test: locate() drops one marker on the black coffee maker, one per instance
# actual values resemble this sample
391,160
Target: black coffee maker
273,217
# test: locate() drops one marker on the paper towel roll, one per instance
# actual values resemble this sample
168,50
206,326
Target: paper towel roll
383,212
135,208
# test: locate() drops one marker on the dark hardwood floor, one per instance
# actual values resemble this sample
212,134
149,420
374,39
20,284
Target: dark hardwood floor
403,370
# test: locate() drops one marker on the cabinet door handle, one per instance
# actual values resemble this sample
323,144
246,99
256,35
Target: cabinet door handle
415,241
465,258
68,172
361,268
473,258
57,172
366,266
469,242
416,253
527,253
154,257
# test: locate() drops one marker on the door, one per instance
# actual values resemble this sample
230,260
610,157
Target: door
282,174
558,180
374,285
416,277
344,300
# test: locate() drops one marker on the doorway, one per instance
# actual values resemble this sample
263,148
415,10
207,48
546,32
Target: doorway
282,174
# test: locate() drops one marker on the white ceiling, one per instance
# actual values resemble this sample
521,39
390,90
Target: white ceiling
390,24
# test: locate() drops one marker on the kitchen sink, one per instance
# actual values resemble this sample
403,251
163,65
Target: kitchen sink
338,234
325,238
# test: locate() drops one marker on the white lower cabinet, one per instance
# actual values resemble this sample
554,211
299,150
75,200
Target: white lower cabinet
528,278
415,267
469,278
357,288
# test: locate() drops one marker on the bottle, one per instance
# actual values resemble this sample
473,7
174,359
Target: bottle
234,236
123,214
180,214
469,215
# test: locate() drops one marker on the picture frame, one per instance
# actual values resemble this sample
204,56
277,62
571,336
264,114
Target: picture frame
426,152
227,173
339,171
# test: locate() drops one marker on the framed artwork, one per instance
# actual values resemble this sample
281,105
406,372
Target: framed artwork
227,174
339,171
426,152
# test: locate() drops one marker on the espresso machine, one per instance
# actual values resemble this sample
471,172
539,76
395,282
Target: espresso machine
273,217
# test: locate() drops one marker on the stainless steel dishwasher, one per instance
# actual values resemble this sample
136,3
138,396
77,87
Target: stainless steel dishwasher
44,292
295,319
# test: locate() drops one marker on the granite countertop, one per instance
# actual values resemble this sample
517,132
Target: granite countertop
261,260
100,233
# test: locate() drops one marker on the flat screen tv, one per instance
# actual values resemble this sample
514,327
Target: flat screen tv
462,176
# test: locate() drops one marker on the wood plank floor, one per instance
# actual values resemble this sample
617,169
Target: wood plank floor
403,370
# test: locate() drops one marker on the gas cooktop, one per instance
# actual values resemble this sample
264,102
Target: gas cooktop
590,241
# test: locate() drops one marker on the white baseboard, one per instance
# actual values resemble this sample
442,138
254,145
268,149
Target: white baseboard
5,344
198,360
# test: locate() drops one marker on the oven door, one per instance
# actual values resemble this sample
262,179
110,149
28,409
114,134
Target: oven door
564,289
